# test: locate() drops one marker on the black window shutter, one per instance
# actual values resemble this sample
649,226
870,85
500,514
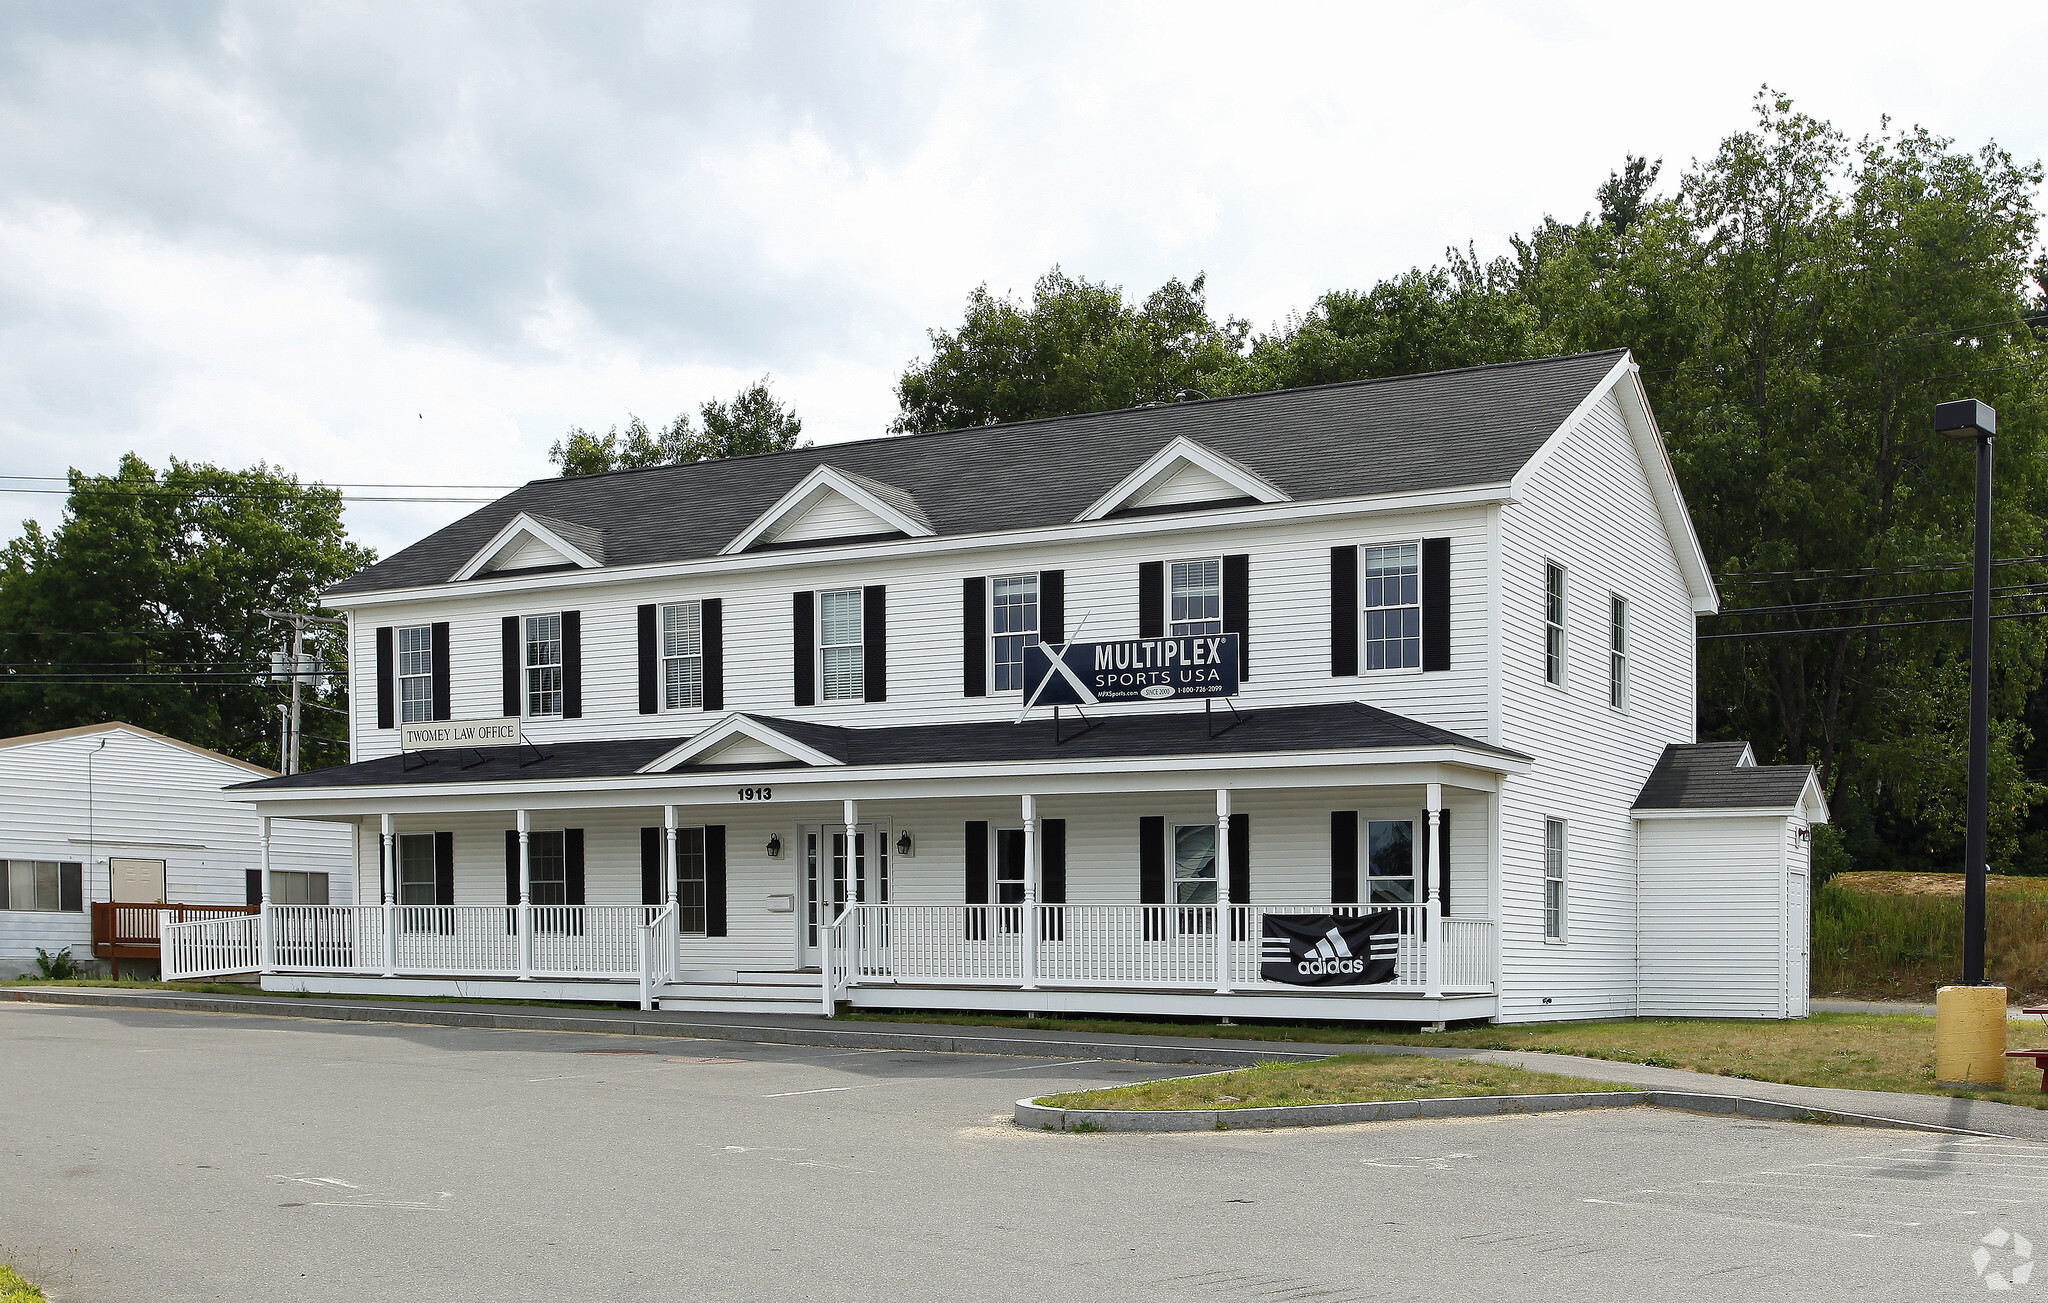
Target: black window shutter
650,866
1241,859
444,868
1052,861
511,866
974,888
650,664
974,637
572,666
874,636
252,886
714,880
572,864
806,689
1343,857
1436,604
444,682
1052,606
1443,854
1152,873
1151,599
1343,610
508,659
387,716
713,624
1237,608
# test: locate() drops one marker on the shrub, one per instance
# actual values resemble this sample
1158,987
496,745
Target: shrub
60,966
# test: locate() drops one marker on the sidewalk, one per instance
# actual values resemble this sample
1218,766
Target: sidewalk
1928,1110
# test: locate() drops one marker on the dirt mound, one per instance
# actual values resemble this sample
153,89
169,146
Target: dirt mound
1933,884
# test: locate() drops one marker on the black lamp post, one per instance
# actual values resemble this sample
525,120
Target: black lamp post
1967,418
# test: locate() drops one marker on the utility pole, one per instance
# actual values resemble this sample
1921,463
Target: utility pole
299,668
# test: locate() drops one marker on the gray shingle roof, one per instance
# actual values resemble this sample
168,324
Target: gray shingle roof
1448,429
1339,726
589,538
1709,776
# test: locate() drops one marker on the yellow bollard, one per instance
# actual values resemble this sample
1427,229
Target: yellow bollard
1969,1036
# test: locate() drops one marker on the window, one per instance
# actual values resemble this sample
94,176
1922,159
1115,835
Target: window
1390,859
1009,882
1013,626
543,665
839,645
293,888
692,912
415,674
547,868
40,885
682,656
1194,874
1617,652
1393,607
1553,879
415,870
1197,592
1553,624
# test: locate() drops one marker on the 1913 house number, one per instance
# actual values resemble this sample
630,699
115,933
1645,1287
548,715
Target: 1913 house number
757,793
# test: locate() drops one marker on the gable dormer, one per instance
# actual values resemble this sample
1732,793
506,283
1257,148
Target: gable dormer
1181,476
834,506
740,742
531,542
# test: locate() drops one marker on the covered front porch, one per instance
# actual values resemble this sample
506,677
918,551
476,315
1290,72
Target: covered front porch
1113,888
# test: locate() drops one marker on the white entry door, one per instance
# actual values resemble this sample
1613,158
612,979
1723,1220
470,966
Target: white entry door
838,870
1798,944
137,882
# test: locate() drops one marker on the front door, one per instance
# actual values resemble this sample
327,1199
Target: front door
839,870
137,882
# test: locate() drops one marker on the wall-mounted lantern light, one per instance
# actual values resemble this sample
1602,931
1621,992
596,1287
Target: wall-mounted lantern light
774,845
905,847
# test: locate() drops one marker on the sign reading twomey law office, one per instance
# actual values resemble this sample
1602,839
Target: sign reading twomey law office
1135,669
459,733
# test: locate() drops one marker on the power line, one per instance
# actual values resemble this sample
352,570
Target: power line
1857,628
1886,603
330,484
276,496
1864,572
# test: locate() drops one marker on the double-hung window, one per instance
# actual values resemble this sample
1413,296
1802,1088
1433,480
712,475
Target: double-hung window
682,656
1393,607
1553,624
839,645
416,870
543,665
1197,597
1013,626
547,868
692,910
416,674
1617,652
1553,880
1390,861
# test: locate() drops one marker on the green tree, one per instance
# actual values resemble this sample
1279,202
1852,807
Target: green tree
142,606
1076,347
754,421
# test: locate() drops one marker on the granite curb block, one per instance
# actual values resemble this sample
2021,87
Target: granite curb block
769,1034
1046,1118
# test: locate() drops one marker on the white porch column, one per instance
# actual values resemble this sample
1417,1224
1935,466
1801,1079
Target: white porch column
387,872
1029,921
525,908
1223,891
265,938
668,861
1432,904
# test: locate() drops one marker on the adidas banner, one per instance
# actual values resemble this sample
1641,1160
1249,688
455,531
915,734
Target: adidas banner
1329,949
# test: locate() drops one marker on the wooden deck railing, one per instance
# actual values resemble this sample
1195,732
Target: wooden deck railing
121,930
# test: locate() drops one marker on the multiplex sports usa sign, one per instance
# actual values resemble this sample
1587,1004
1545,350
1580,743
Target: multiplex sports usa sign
1329,949
1134,669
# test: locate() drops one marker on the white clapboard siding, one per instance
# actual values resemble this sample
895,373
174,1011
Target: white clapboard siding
152,799
1712,898
1289,631
1588,509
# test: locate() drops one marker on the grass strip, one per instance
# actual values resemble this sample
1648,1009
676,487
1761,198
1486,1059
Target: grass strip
14,1288
257,992
1344,1079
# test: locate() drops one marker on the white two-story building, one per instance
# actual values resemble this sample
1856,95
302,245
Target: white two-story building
775,747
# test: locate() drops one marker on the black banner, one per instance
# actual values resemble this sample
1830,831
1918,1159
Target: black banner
1329,949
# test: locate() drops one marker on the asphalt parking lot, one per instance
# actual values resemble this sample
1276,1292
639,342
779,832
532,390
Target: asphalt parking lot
171,1157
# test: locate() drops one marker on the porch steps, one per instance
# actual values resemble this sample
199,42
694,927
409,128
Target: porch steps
728,991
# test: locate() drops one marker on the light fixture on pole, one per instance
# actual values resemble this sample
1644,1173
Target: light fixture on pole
1969,1034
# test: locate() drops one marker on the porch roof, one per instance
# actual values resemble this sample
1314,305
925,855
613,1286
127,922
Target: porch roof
1335,727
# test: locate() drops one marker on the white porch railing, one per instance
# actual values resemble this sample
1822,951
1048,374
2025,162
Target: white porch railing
658,957
213,947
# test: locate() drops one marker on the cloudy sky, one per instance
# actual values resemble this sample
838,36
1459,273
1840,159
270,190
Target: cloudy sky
410,243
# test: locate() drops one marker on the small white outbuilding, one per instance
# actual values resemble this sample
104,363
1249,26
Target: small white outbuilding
114,813
1724,863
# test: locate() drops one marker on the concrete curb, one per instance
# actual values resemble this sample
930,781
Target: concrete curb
1045,1118
670,1025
